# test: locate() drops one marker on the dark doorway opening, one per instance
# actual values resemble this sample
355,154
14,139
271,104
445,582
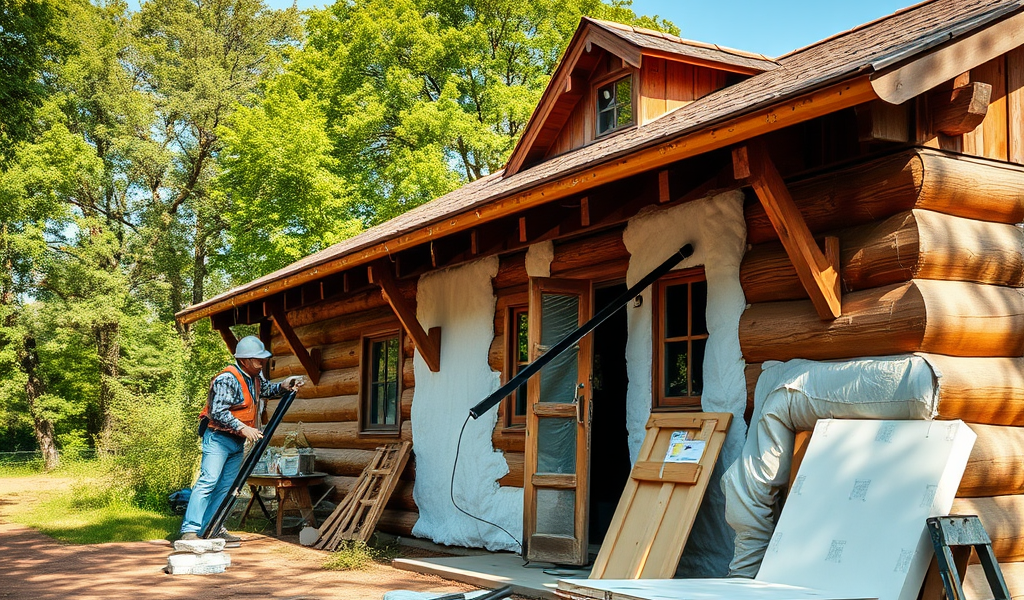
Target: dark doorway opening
609,449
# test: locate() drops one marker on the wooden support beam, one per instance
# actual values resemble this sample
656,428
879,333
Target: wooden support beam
585,211
664,192
960,111
266,333
310,360
428,343
818,273
222,322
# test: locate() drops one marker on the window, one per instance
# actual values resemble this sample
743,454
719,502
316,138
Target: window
381,393
680,338
615,105
517,356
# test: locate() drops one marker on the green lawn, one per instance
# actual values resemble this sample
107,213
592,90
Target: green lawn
79,507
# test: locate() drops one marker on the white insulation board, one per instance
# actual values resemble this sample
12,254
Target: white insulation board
691,589
854,521
853,526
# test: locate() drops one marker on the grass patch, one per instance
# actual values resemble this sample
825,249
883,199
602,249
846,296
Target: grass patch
89,511
355,556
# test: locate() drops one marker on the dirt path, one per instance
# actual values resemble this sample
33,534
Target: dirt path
35,566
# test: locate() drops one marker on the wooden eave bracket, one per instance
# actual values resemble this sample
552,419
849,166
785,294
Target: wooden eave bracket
960,111
310,360
427,342
818,271
222,322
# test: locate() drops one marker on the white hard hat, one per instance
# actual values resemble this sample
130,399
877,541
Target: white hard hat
251,347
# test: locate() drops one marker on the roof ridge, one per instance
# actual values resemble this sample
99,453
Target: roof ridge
679,40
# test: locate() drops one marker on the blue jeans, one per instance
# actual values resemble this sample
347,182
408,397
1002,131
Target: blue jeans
222,457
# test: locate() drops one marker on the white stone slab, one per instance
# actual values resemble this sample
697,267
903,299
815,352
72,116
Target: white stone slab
199,546
854,521
187,563
691,589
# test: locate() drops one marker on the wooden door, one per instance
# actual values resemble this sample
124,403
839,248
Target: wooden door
558,425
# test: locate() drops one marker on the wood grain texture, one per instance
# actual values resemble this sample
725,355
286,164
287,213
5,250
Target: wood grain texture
332,408
341,434
981,390
919,178
332,356
991,133
914,244
1003,518
398,522
996,465
941,317
347,462
514,478
1015,104
976,587
339,329
401,498
345,382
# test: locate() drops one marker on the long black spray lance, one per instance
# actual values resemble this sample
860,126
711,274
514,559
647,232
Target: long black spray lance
521,377
248,465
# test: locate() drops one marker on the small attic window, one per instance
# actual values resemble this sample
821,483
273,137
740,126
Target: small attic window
615,105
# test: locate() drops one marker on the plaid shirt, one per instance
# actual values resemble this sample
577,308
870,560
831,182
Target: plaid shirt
227,393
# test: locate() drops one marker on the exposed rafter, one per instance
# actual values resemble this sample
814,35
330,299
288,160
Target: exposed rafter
309,359
818,272
427,342
222,322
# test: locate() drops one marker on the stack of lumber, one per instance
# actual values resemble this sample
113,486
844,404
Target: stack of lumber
356,517
932,262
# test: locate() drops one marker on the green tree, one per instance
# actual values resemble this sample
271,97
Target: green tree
422,96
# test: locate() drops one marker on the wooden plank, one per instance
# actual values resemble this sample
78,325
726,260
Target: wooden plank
992,142
552,480
659,471
678,85
880,121
1015,104
652,89
789,112
819,278
428,343
900,84
654,517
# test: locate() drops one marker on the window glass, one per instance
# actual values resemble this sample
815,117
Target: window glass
680,339
615,105
381,400
700,307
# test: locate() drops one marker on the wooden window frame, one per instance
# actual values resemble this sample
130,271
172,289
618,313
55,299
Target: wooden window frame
513,423
634,98
365,364
659,400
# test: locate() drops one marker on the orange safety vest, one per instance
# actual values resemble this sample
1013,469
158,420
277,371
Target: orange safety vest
245,412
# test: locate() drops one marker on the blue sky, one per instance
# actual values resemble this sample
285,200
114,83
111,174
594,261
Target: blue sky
771,27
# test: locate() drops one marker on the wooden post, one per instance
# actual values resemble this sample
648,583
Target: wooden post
819,275
428,343
310,361
664,191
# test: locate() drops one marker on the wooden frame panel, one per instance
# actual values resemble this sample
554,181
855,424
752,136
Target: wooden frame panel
610,78
365,366
512,421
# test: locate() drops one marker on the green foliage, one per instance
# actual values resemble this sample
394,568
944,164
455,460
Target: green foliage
357,555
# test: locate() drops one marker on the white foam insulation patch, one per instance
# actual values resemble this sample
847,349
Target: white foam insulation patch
716,228
538,259
461,302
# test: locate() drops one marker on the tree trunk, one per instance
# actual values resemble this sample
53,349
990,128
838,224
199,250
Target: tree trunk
108,348
34,388
199,263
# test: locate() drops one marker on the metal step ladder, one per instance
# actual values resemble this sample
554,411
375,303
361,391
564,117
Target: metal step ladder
953,536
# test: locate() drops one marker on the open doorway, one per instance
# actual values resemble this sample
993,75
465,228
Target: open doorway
609,448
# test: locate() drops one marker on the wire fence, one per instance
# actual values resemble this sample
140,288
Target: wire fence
29,458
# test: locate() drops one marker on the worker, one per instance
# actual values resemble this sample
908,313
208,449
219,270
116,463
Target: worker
230,417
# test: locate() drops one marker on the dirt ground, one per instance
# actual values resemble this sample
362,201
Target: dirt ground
35,566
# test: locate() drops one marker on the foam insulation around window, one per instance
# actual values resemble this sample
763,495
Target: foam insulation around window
538,259
717,230
461,301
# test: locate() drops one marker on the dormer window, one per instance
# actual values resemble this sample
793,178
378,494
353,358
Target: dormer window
615,105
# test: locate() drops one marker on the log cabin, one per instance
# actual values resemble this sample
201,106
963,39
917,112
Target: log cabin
859,197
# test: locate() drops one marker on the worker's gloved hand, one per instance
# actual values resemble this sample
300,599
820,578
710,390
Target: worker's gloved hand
250,433
293,383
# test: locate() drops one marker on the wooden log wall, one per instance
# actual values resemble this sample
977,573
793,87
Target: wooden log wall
329,411
600,257
931,262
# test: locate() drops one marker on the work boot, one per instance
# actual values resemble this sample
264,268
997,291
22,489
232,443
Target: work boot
230,541
189,536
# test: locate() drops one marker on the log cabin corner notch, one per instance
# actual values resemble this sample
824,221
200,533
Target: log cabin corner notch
818,272
427,342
